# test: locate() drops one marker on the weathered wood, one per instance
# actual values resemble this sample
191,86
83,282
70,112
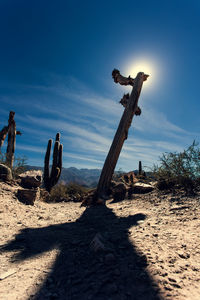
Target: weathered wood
121,133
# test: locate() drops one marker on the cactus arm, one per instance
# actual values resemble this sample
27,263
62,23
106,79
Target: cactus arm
60,157
55,160
58,137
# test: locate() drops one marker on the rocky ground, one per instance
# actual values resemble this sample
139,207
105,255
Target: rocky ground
144,248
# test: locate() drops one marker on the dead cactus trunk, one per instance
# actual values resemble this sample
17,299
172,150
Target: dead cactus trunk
11,139
131,107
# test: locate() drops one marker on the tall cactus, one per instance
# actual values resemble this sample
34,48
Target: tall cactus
140,168
51,179
11,139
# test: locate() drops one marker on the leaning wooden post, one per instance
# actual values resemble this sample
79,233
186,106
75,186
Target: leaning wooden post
11,139
131,108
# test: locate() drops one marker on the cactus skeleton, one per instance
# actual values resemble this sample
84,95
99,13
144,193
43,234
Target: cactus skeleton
130,102
9,130
51,179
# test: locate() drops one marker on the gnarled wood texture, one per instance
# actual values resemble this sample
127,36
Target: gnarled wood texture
121,133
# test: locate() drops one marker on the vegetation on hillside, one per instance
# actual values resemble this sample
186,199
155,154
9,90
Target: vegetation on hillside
67,192
179,169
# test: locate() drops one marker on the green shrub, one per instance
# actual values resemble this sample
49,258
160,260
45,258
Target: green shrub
182,169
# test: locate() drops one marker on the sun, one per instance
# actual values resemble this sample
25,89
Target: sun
142,65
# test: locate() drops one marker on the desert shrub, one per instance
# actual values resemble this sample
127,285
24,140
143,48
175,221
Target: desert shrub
19,165
179,169
71,191
118,174
76,191
58,193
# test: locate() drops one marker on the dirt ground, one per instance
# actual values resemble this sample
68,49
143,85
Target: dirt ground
146,248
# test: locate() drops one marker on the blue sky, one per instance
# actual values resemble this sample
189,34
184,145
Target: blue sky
56,61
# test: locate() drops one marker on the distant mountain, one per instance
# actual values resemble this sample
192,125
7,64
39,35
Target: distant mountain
85,177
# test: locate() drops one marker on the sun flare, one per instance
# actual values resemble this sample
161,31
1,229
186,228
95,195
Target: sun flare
142,66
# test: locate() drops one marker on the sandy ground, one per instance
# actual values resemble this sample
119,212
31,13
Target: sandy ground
149,248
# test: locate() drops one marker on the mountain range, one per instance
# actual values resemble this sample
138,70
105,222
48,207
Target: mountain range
84,177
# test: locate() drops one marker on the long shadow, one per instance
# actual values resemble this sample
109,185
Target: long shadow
118,272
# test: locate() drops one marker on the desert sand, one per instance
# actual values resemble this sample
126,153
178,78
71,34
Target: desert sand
149,248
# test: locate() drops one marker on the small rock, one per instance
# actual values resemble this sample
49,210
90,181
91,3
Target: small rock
184,255
44,195
7,273
30,182
142,188
171,279
27,196
5,173
119,191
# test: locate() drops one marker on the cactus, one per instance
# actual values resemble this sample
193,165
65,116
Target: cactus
11,139
140,168
51,179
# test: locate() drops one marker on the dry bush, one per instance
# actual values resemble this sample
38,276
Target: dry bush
19,165
58,193
74,189
179,169
69,192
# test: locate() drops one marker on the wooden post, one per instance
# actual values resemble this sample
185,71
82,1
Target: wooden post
131,107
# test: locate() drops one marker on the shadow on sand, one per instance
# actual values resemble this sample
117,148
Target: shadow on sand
117,273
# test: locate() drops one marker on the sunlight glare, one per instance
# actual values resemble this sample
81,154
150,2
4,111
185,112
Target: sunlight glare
143,65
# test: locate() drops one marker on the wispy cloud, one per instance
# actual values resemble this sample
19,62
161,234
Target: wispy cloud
87,122
70,128
80,157
31,148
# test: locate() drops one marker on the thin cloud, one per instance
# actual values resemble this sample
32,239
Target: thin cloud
88,122
67,127
31,148
79,157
